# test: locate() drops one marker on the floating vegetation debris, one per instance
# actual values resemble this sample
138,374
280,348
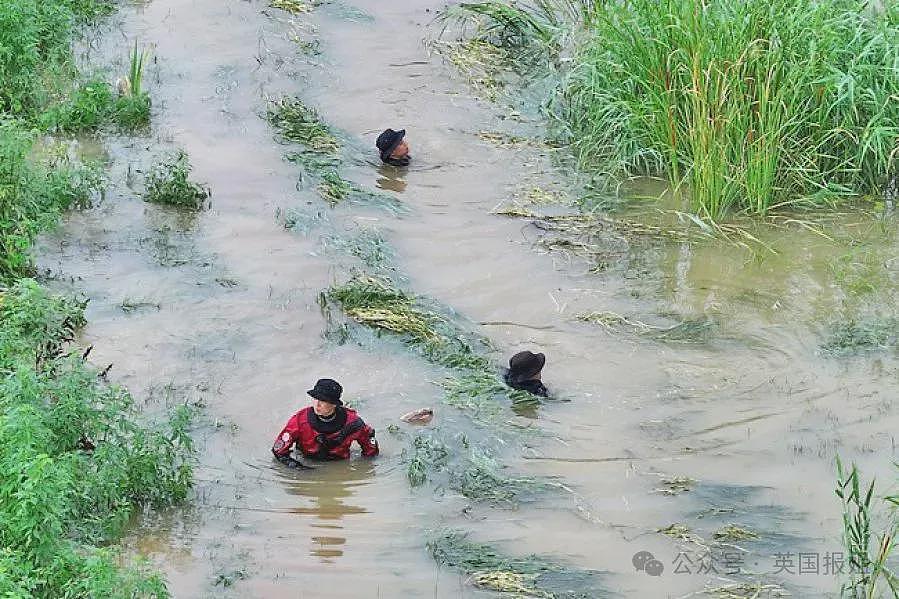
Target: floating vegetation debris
608,320
130,305
348,12
320,158
481,478
301,124
853,336
675,485
747,590
691,330
504,581
168,182
426,454
733,532
472,472
539,196
295,6
530,576
368,245
680,532
505,140
302,221
377,303
483,63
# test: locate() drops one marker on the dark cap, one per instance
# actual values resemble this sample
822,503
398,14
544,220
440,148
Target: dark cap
388,141
526,364
327,390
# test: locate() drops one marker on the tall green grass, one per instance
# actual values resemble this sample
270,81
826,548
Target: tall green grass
744,105
868,558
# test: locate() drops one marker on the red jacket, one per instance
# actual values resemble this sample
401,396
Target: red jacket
299,431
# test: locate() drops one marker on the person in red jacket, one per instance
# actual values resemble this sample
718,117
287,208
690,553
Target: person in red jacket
325,430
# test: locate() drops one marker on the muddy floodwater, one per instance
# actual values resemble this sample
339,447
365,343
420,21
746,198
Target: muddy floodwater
710,402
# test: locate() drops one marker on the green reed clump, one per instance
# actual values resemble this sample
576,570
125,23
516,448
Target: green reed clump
168,182
743,105
751,105
132,108
77,459
868,557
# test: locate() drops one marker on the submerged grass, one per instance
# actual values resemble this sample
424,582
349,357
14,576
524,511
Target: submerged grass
377,303
743,105
299,123
320,155
530,576
864,335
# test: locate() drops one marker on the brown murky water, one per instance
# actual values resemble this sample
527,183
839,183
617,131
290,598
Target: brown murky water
221,310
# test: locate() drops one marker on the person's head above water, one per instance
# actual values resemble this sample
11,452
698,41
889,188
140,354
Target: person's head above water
326,394
526,366
393,148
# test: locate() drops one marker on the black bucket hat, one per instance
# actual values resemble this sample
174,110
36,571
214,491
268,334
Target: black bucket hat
327,390
388,141
526,364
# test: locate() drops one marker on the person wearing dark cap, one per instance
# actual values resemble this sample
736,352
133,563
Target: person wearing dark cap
325,430
393,147
524,373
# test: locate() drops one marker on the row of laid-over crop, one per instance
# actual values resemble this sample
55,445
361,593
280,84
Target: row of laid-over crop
77,460
743,105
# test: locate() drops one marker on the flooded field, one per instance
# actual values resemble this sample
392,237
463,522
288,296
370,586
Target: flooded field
703,387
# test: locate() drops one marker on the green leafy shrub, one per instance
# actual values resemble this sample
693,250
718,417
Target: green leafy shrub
89,107
32,195
35,48
76,459
169,183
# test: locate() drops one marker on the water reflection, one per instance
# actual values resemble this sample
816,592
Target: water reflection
390,178
328,491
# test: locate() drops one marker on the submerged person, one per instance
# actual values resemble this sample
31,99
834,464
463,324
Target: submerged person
524,373
393,147
325,430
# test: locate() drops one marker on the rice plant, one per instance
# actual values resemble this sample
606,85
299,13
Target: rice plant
868,557
168,182
745,106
